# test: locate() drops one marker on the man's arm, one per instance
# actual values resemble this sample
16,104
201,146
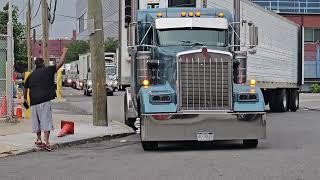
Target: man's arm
61,62
25,94
25,88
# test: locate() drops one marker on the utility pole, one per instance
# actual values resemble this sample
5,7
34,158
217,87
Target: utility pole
45,31
99,93
28,29
10,62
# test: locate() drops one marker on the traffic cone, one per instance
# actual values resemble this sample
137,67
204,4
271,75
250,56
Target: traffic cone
3,111
19,111
67,127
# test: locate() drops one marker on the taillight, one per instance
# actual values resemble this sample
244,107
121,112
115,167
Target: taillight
161,117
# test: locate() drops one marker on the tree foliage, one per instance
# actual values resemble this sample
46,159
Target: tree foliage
76,48
111,45
20,46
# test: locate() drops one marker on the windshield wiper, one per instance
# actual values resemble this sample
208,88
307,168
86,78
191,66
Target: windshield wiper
189,43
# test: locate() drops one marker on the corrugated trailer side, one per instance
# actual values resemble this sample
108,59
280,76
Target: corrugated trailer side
277,64
276,61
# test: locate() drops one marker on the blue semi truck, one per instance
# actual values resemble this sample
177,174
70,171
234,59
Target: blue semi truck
191,79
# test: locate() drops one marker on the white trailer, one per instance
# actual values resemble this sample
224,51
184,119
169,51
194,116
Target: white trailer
84,66
277,62
124,60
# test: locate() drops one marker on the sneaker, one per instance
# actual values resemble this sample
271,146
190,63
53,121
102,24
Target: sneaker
46,147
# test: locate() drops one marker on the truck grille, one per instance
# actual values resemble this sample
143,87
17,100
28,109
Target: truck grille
204,82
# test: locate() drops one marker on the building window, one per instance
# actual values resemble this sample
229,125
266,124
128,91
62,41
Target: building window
81,23
308,35
316,35
182,3
311,35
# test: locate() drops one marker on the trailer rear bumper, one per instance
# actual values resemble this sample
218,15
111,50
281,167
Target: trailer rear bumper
187,127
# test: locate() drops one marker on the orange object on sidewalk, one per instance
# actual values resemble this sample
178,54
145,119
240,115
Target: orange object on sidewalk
67,127
3,106
19,111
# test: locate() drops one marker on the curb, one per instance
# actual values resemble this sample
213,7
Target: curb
69,144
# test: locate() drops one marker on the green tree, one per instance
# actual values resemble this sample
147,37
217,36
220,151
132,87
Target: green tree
76,48
111,45
20,46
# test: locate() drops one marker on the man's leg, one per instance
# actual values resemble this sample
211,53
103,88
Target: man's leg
38,136
46,120
36,124
46,137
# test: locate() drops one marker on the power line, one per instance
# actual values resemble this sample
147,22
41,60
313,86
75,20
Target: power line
37,10
54,10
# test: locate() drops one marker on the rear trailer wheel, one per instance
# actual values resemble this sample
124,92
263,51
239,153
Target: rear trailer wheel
294,100
149,145
279,101
250,143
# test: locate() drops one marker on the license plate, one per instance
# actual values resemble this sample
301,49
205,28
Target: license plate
205,136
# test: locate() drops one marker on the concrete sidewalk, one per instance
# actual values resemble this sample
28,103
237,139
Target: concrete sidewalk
310,101
17,138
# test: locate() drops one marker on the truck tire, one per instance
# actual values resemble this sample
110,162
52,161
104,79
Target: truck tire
294,100
250,143
149,145
279,101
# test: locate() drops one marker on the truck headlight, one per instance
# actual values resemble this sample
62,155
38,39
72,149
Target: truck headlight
248,97
161,98
69,81
89,83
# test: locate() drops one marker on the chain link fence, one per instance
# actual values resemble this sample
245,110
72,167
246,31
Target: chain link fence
6,82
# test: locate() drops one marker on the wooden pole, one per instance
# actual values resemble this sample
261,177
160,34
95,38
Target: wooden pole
45,31
99,93
28,29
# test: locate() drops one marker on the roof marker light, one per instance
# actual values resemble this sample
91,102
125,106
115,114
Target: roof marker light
198,14
183,14
191,14
159,14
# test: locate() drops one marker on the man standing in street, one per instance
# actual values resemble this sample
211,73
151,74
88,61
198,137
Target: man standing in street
42,91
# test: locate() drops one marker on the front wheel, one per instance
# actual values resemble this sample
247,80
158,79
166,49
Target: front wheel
250,143
149,145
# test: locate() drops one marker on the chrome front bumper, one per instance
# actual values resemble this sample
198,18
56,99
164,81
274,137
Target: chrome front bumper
183,127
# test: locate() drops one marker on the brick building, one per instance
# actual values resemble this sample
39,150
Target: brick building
55,46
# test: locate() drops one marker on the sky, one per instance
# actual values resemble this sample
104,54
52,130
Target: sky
62,26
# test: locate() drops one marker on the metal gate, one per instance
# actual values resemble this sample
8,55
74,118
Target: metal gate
6,96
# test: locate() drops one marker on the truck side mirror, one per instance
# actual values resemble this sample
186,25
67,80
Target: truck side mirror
253,35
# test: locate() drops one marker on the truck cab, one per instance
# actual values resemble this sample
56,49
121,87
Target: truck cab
183,82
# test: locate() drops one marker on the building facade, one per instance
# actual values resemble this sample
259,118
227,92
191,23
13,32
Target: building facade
307,14
110,10
55,47
291,6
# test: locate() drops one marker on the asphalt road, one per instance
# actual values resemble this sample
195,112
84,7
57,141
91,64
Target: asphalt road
291,151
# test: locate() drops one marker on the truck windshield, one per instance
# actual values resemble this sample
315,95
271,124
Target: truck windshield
193,37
